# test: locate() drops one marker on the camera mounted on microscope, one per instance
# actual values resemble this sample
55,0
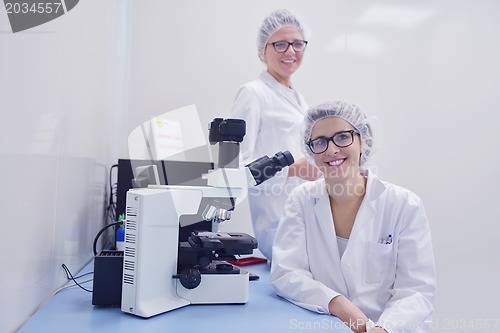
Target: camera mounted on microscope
228,133
226,130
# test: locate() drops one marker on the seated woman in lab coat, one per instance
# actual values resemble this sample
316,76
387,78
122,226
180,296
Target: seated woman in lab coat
350,244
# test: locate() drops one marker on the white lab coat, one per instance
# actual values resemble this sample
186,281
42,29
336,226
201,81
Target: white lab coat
393,284
274,115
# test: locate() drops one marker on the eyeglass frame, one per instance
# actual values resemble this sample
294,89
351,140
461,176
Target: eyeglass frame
330,139
289,44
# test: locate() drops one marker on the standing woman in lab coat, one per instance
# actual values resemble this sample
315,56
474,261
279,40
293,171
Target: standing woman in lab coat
274,111
350,244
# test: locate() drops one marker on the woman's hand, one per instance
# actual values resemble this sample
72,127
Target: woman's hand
377,330
304,169
349,313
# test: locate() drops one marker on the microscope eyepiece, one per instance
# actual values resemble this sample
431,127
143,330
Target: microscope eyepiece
266,167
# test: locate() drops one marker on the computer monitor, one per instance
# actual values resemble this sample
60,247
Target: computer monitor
141,173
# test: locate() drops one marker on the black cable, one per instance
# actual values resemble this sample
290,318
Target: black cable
111,208
82,275
100,233
70,277
111,184
111,213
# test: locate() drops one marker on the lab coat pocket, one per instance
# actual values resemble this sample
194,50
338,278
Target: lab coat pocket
378,263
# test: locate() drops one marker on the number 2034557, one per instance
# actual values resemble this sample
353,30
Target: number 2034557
481,324
34,8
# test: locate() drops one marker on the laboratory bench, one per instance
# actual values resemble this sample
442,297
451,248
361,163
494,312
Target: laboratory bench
71,310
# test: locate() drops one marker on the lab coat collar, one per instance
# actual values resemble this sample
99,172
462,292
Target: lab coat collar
374,188
319,189
285,92
271,81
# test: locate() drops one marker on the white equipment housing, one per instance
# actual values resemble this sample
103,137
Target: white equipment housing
151,252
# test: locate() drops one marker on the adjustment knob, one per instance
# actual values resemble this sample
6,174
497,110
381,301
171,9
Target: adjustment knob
190,278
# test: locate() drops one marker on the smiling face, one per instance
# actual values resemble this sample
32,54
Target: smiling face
282,65
336,163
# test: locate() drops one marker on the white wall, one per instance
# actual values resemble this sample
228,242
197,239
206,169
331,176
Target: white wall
60,103
428,69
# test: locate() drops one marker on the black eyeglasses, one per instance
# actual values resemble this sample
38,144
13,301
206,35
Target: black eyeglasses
340,139
282,46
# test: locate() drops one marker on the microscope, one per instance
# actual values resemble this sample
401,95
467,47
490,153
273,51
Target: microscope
162,273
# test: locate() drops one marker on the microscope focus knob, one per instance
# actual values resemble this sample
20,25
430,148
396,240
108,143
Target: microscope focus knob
190,278
203,261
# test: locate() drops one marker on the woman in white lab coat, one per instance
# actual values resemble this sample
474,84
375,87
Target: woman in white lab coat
274,111
350,244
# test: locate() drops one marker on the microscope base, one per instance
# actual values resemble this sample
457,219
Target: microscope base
218,289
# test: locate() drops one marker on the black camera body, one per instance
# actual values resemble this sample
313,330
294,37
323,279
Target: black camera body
228,133
226,130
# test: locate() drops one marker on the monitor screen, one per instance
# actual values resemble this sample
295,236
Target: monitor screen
141,173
